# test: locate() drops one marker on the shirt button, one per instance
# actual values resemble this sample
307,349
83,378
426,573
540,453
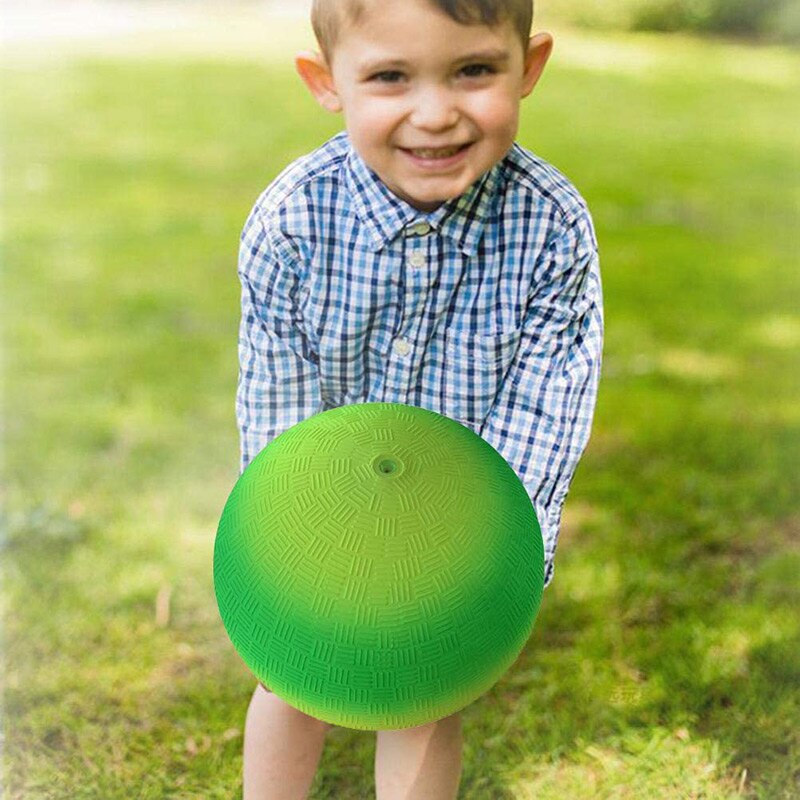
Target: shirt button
416,259
420,228
402,347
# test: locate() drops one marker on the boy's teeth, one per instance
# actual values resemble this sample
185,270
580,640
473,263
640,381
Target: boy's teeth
441,152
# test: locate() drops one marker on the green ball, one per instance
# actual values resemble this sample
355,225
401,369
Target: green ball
378,566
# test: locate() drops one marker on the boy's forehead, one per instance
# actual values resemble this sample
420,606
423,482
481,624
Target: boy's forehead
380,25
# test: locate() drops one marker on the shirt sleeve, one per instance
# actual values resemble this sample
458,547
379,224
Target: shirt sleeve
278,382
542,416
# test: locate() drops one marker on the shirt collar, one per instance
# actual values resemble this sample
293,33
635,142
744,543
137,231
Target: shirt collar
385,215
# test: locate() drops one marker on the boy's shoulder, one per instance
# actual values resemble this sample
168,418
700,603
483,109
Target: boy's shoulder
525,173
320,165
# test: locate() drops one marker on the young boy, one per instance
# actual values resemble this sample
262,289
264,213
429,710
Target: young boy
420,257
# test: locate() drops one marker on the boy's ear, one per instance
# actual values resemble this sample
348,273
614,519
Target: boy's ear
539,48
316,74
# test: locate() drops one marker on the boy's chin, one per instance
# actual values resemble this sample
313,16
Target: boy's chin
428,201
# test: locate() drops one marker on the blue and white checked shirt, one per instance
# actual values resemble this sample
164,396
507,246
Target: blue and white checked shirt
487,310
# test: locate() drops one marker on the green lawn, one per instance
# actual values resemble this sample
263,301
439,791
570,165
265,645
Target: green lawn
666,659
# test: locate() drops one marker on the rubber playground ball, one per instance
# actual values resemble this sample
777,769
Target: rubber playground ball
378,566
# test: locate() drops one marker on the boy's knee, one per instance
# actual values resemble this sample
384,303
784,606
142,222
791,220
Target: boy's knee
263,689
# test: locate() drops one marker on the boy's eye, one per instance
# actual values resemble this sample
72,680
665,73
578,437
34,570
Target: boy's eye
387,76
477,70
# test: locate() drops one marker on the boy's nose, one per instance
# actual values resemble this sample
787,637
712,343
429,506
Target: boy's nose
434,110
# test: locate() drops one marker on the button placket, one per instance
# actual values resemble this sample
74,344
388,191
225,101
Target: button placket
416,258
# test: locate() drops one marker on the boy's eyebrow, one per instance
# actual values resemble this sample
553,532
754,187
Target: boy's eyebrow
381,63
495,55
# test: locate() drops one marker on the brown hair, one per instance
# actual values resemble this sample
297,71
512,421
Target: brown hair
326,16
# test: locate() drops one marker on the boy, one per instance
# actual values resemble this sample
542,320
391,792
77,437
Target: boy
420,257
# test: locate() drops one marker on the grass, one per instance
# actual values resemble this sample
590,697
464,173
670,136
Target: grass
666,659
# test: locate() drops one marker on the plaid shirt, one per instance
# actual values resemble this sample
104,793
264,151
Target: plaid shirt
487,310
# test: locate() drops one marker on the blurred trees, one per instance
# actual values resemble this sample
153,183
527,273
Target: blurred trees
762,20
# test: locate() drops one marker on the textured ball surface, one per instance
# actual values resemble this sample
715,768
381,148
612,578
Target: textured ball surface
378,566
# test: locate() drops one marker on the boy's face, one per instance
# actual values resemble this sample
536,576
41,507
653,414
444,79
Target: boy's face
429,104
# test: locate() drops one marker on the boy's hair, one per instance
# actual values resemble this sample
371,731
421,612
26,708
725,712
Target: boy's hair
327,16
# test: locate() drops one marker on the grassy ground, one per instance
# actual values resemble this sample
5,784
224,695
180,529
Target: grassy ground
666,660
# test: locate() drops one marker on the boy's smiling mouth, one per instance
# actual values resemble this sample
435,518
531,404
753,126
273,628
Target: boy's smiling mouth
437,156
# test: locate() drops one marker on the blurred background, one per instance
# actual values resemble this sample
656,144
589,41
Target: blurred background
666,659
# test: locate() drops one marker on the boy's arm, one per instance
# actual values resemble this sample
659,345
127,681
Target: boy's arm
278,371
541,419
